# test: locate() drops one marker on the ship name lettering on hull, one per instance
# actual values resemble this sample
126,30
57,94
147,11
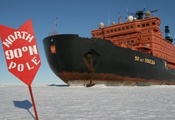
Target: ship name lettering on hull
145,60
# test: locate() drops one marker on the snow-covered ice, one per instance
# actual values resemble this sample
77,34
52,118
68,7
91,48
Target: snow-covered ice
95,103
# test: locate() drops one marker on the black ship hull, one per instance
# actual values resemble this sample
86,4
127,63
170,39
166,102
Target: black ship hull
90,61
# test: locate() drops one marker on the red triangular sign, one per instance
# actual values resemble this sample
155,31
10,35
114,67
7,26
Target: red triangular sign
21,51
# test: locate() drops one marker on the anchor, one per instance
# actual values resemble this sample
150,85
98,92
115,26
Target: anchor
90,60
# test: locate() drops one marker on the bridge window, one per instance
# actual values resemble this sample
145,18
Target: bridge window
143,25
128,42
153,23
147,24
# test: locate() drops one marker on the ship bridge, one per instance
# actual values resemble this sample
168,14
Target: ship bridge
142,35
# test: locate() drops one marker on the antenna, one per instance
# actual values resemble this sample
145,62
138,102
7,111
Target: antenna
108,19
127,11
144,6
119,18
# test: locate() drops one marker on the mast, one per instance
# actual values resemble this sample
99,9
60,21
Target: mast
55,26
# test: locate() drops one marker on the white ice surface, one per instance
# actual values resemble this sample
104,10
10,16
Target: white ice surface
95,103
